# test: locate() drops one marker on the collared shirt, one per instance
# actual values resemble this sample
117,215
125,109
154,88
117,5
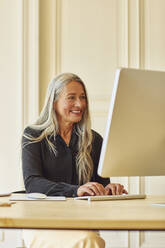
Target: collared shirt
56,175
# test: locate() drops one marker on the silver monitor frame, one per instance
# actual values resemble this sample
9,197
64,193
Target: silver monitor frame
134,141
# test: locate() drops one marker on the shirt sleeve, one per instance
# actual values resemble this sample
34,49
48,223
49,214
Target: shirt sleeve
34,179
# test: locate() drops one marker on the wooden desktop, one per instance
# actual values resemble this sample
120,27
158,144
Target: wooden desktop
79,214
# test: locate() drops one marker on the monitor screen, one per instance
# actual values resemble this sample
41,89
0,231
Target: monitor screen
134,140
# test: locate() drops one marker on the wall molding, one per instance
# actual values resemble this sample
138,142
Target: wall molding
122,50
147,30
21,63
49,44
141,11
30,60
56,37
151,239
130,35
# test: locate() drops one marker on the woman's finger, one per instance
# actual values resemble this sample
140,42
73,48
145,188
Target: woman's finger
91,188
84,190
100,188
94,189
113,189
119,189
97,188
125,191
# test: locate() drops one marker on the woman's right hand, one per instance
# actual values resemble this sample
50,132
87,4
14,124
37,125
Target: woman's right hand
91,188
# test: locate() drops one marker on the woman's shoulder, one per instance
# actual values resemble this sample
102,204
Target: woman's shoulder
96,137
29,131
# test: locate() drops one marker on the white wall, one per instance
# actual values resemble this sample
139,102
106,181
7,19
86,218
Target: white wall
19,84
91,38
10,98
10,105
18,94
88,48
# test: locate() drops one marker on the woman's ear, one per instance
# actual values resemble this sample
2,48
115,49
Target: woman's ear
54,105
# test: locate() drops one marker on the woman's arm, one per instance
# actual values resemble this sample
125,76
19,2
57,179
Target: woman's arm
33,175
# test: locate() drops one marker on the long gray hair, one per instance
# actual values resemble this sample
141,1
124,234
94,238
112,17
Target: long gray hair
48,125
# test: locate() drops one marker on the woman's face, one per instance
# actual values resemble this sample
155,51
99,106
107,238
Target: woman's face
71,103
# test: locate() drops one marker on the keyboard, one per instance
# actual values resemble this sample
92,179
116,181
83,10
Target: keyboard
111,197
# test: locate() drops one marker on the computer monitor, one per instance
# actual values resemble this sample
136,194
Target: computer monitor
134,141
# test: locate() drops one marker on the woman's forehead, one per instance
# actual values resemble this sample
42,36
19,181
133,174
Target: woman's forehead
73,87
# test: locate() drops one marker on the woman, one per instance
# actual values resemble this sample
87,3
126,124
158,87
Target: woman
60,152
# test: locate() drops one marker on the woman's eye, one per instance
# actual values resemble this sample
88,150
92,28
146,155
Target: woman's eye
74,98
71,97
83,97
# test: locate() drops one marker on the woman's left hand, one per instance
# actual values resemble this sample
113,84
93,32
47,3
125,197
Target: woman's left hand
115,189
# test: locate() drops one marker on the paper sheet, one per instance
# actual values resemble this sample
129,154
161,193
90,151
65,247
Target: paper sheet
23,197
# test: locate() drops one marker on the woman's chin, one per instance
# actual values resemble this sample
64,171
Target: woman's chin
76,120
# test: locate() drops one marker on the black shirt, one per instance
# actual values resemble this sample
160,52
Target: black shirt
56,175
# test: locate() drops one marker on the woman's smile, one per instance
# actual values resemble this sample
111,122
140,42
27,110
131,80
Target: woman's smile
71,104
76,112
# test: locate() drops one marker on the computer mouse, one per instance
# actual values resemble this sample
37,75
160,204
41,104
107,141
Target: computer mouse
36,195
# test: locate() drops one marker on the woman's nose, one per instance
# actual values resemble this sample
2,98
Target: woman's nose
78,102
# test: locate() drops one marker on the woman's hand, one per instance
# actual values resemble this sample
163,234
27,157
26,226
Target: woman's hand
115,189
91,188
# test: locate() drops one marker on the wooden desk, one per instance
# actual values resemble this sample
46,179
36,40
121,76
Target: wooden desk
73,214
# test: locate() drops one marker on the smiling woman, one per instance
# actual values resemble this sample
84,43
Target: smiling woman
60,153
65,118
60,156
70,108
